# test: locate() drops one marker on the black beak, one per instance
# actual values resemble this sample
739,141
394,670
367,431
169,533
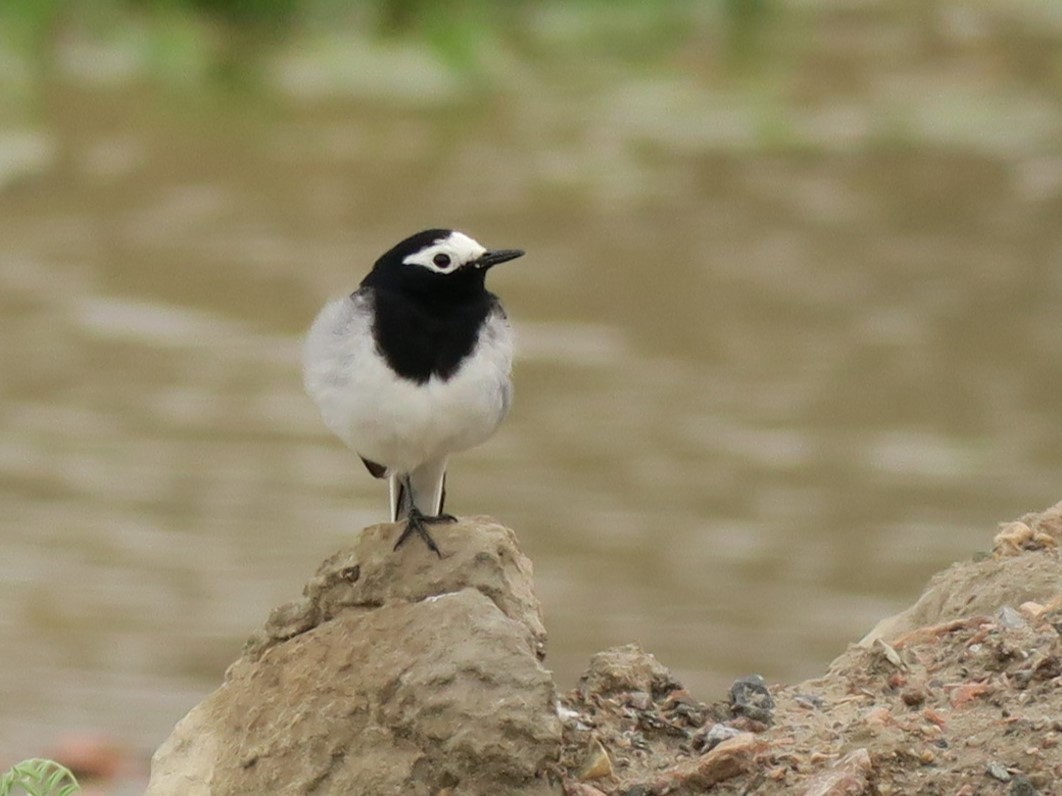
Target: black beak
500,256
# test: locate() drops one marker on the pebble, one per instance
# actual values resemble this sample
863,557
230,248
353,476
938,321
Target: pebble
566,714
935,717
913,697
597,764
998,771
749,696
639,700
891,655
581,789
1033,610
729,759
809,701
1010,618
848,776
1020,786
705,741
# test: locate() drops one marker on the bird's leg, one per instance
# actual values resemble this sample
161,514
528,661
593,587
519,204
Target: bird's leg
418,522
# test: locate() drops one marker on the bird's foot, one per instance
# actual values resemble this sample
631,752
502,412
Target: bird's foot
418,523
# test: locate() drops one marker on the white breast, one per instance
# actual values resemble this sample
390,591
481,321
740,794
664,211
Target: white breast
393,421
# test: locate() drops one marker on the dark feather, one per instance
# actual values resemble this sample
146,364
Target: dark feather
376,470
425,335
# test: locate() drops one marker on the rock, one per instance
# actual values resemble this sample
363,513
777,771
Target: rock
750,697
998,771
708,738
597,764
1010,618
581,789
639,700
398,673
627,669
729,759
369,574
1020,786
847,778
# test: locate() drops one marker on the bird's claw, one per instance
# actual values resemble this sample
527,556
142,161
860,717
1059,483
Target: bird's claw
417,523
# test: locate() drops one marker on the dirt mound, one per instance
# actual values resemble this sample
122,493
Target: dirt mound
961,694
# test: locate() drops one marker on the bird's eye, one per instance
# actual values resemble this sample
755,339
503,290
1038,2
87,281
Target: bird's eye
442,260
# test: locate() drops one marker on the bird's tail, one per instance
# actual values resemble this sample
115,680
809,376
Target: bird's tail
429,490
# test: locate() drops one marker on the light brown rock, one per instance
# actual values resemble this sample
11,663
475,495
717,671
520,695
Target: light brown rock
730,758
398,673
627,669
597,764
847,778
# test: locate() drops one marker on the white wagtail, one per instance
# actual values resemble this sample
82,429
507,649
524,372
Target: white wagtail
414,366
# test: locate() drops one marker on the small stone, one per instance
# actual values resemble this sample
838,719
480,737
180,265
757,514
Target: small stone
581,789
1020,786
1010,618
966,692
707,739
848,776
934,717
596,764
1011,538
809,701
913,697
1047,668
729,759
878,716
998,771
629,669
890,653
566,714
1032,609
639,700
750,697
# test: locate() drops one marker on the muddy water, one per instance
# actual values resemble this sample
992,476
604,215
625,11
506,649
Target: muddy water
760,397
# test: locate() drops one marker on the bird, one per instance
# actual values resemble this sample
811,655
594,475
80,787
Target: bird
414,366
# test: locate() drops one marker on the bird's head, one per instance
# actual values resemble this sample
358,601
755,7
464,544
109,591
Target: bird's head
437,260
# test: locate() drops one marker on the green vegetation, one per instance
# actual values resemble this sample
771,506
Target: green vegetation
38,777
193,37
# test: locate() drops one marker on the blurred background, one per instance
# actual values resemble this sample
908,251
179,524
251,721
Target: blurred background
790,323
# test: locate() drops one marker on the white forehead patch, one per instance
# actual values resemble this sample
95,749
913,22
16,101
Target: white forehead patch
457,246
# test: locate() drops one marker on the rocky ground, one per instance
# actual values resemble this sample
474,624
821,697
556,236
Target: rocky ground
404,673
960,695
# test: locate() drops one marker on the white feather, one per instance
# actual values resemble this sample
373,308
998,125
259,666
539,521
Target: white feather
393,421
460,248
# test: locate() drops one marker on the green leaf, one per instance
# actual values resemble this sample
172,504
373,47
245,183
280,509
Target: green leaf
38,777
